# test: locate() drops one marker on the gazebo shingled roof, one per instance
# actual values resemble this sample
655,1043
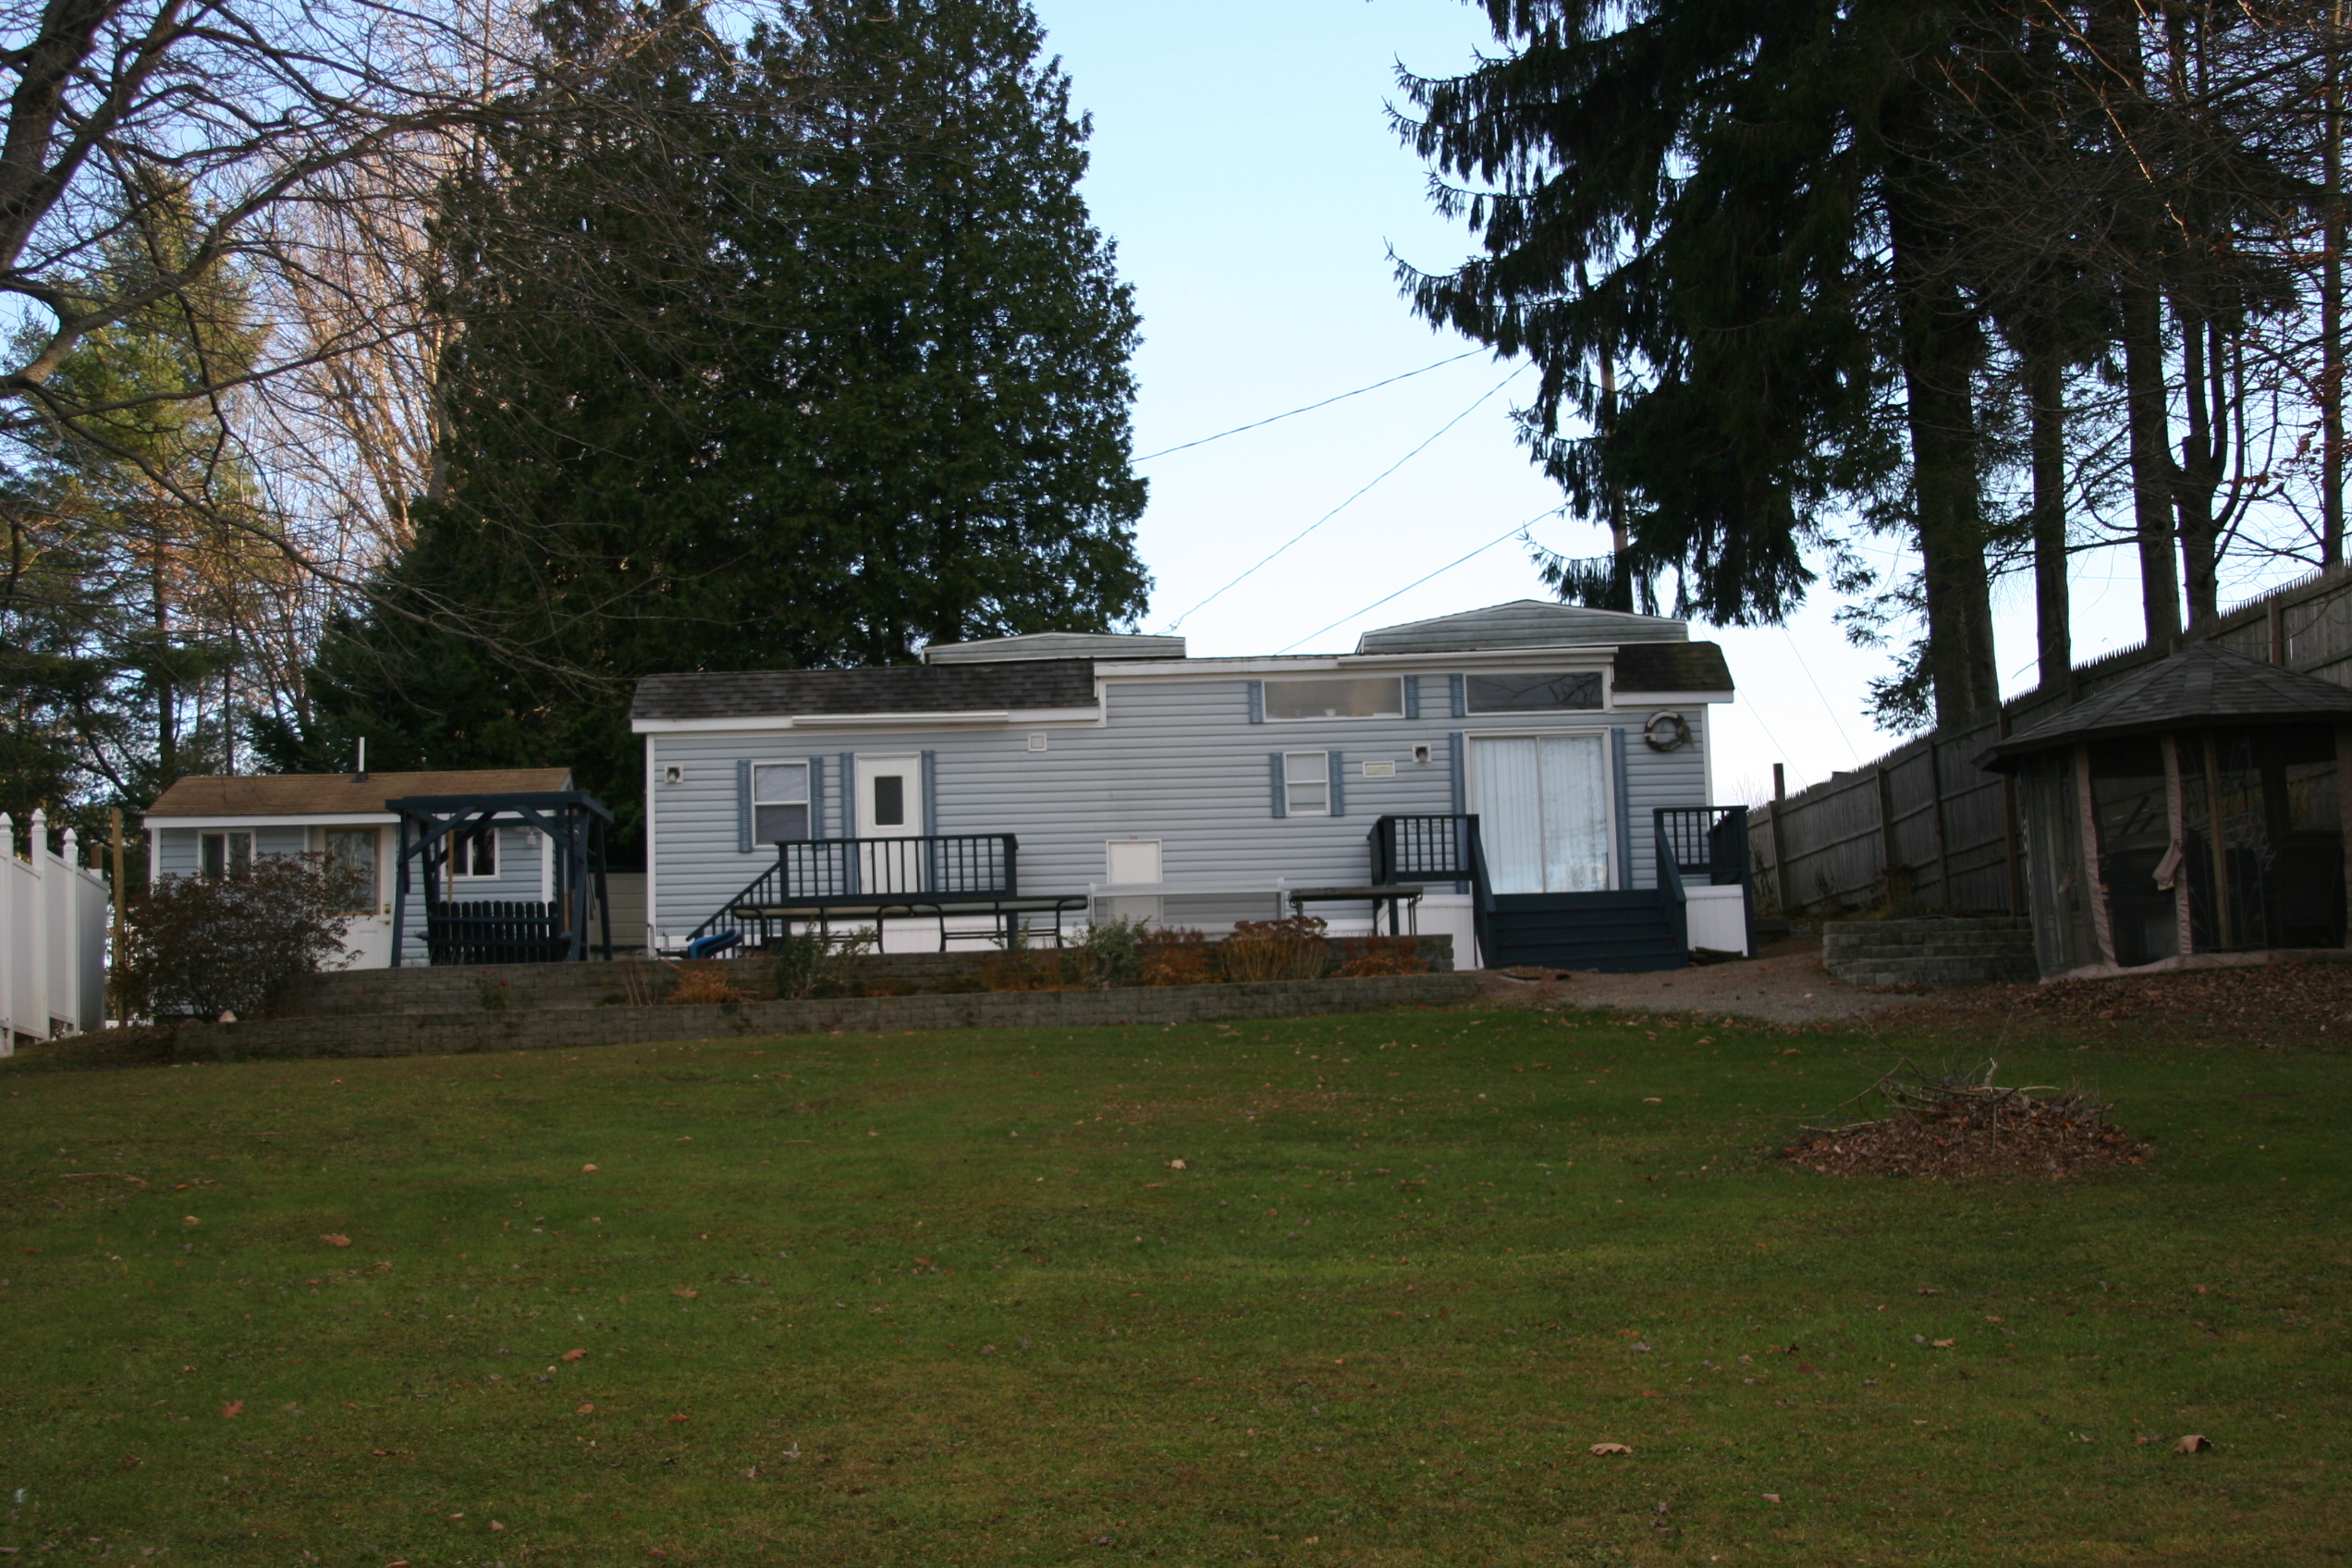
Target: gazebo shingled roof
2202,684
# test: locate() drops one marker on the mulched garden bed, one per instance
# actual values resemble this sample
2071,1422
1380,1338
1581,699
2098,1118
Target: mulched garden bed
1956,1129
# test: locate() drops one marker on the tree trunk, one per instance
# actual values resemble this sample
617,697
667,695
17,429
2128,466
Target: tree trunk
2331,305
1620,566
2151,463
2046,438
2204,454
1940,351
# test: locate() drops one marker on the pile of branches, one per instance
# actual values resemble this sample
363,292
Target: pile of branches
1951,1127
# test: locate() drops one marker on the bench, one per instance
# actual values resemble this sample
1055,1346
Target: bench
1376,894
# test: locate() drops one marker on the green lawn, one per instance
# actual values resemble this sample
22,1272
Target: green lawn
942,1299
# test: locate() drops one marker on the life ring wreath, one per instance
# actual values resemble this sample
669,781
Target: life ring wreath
1666,731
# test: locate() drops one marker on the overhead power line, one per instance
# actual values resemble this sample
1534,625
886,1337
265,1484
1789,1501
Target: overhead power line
1515,529
1359,494
1310,407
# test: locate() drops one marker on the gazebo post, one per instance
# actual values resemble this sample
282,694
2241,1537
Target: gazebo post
2344,808
2176,815
2095,869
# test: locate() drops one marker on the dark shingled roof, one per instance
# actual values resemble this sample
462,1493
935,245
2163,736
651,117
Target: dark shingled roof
1672,667
2204,683
907,688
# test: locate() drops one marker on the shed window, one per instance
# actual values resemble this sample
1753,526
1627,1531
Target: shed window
1534,693
1307,783
225,856
473,851
1351,697
779,802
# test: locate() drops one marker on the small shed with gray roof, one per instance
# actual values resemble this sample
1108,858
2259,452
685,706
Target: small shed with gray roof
2193,813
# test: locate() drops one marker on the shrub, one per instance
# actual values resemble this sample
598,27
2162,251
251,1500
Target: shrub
1112,953
1275,949
1385,955
1018,968
704,980
1176,957
201,948
811,962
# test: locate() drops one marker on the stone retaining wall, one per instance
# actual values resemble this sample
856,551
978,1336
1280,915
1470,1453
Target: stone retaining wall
526,988
439,1034
1986,951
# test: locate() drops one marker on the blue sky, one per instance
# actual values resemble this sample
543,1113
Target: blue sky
1244,162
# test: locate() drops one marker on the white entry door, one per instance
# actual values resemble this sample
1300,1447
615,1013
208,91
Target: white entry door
889,805
1543,812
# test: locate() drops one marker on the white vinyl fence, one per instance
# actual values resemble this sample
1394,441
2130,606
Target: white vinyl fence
52,939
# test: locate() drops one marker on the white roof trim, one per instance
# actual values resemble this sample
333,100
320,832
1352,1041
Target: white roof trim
283,819
965,718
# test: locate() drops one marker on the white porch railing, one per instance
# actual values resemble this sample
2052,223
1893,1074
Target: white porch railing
52,939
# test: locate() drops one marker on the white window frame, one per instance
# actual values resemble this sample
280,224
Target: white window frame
1471,708
1294,778
229,839
1267,699
465,857
807,805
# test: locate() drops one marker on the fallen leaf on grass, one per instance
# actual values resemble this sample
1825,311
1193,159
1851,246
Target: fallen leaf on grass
688,1295
184,1219
585,1169
1178,1165
233,1408
1610,1448
572,1355
678,1420
1771,1497
2194,1443
331,1238
1945,1344
585,1409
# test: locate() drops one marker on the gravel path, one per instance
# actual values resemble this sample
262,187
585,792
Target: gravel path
1787,989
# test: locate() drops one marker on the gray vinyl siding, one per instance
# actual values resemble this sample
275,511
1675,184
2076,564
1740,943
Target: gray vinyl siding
1177,761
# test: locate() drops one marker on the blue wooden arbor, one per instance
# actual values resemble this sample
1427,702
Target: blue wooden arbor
504,931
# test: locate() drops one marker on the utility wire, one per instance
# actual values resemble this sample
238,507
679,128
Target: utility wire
1515,529
1852,749
1310,407
1352,500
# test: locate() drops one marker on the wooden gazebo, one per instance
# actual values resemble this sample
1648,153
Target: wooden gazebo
2189,814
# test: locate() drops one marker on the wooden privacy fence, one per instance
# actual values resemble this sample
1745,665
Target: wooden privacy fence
52,939
1923,827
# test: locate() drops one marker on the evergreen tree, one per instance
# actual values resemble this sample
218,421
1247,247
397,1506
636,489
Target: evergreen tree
1739,205
803,356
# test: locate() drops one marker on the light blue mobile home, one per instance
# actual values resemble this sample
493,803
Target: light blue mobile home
1129,778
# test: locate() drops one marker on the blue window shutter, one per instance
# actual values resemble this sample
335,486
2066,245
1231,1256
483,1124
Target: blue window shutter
930,792
1274,760
816,797
1336,766
849,794
743,806
1257,702
1412,696
1455,690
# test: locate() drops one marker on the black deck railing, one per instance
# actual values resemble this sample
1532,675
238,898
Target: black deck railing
1705,841
1435,849
825,876
496,931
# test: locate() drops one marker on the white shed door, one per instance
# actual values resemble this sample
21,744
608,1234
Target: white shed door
1543,812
